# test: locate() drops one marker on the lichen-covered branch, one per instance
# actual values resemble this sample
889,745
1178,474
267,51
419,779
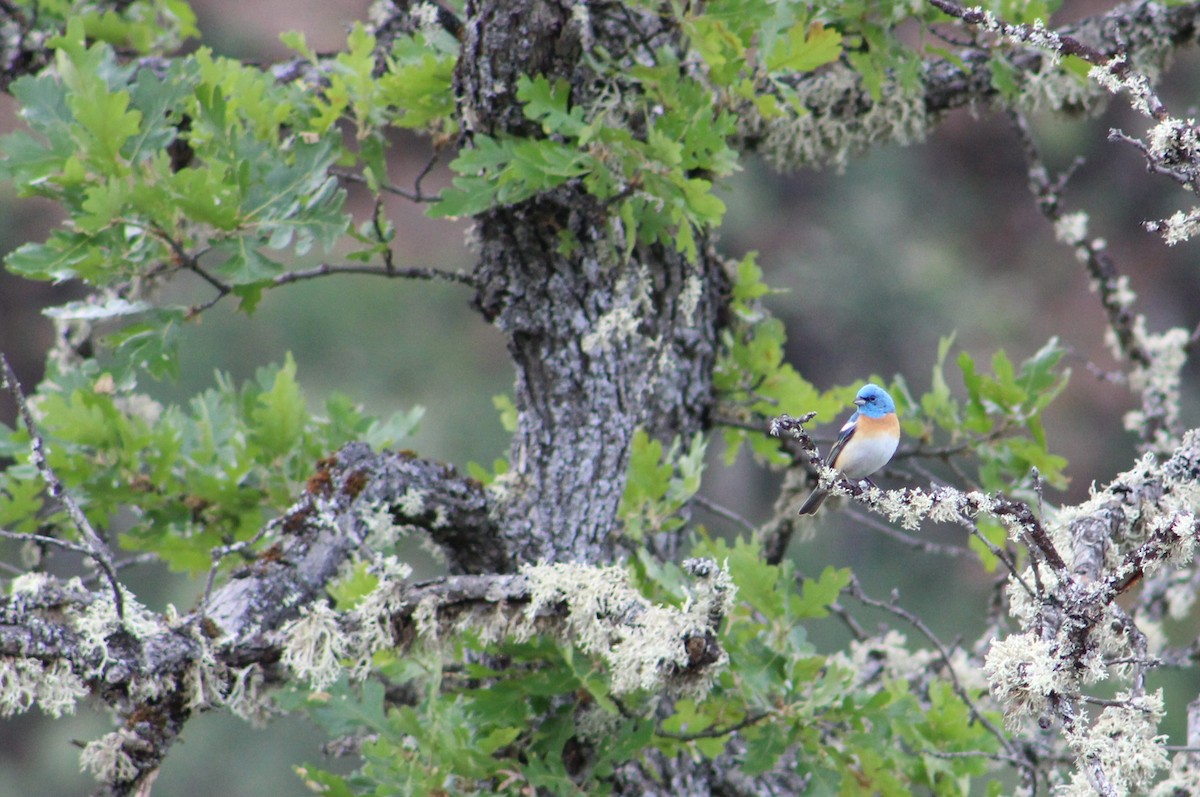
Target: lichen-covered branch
97,548
1072,633
645,647
61,641
845,118
1156,360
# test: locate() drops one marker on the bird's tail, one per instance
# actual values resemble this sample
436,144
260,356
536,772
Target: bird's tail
813,502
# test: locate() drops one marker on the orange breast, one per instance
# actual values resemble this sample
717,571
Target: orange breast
887,426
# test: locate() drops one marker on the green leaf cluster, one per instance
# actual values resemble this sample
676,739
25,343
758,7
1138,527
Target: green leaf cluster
1002,414
410,87
204,163
659,179
658,484
753,377
752,50
176,480
101,143
147,26
519,720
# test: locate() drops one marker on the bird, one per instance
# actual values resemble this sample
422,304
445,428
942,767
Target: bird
865,444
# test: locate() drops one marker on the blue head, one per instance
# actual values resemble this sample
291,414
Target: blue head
874,401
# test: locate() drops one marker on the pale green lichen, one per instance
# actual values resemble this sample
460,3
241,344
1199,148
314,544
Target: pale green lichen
204,680
1114,78
642,644
1180,596
1176,531
1071,228
1022,606
1180,226
689,298
889,651
581,20
100,620
619,326
314,645
30,583
1051,88
426,16
25,682
1184,778
107,759
1174,139
382,531
375,614
1022,672
139,406
425,618
596,724
501,487
1123,743
886,658
412,503
1159,381
57,686
837,126
246,698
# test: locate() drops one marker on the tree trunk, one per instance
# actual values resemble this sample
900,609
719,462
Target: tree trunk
603,343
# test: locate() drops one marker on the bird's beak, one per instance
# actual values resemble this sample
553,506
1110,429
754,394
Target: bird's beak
859,402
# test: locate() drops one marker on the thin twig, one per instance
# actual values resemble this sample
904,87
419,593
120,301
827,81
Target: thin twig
725,512
856,591
44,539
906,539
220,552
844,615
326,269
716,732
1014,760
412,196
421,197
96,548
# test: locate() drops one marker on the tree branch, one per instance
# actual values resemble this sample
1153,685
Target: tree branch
96,548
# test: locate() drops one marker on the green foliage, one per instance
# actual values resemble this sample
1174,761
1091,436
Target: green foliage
1002,415
659,484
850,737
753,376
536,715
99,150
150,26
1000,421
197,476
650,178
413,91
206,164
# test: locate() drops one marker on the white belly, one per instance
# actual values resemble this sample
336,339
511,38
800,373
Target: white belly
866,456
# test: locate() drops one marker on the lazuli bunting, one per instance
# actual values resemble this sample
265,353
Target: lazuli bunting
865,443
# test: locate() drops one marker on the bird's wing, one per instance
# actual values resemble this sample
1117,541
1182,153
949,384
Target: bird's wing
845,434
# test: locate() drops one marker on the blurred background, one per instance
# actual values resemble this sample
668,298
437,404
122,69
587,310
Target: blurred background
875,264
